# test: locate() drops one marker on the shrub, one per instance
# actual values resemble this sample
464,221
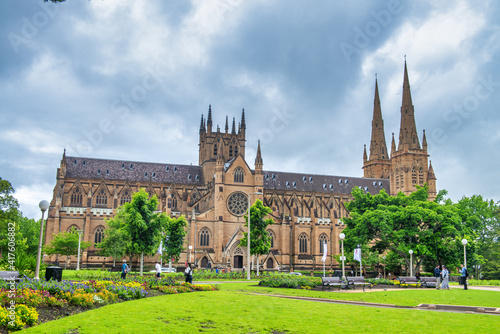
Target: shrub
24,315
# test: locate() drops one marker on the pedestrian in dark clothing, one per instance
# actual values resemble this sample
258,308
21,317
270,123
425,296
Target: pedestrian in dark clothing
209,266
125,269
437,274
464,276
189,274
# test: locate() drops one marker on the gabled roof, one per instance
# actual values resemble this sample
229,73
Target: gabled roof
87,168
322,183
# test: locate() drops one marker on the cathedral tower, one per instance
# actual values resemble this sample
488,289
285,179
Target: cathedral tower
377,165
216,143
410,165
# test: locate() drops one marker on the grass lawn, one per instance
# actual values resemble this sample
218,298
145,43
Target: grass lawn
235,310
403,297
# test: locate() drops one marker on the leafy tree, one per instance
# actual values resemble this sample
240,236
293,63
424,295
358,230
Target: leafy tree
175,231
66,243
432,230
9,213
114,243
260,240
141,224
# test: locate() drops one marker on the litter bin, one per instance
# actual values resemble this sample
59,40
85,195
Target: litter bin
53,273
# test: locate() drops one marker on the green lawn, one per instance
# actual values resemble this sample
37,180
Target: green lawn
403,297
235,309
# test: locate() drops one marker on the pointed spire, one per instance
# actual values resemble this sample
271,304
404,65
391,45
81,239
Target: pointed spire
365,157
209,119
233,131
243,124
64,154
227,126
408,138
378,146
393,145
430,173
202,124
218,128
424,142
258,158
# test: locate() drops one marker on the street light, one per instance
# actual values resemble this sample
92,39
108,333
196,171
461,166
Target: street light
411,262
464,242
248,236
190,247
342,237
43,205
79,239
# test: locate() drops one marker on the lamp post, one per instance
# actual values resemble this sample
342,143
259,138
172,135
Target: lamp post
342,237
464,242
190,247
411,262
384,266
43,205
248,236
79,239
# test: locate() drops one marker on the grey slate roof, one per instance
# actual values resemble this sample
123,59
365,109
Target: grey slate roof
87,168
321,183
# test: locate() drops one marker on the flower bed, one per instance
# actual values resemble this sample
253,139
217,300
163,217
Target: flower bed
32,295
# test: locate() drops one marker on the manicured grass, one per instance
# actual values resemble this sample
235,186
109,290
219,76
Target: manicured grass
402,297
231,312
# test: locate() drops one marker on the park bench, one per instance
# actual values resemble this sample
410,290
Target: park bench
428,282
358,281
10,275
332,281
407,280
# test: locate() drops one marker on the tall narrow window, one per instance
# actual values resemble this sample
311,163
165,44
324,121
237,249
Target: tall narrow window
76,197
204,237
230,151
236,154
303,243
238,175
98,235
323,239
102,198
215,149
272,236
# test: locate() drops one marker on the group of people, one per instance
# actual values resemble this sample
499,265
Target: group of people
443,277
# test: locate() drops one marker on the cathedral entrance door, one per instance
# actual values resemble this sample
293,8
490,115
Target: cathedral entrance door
238,261
204,262
270,264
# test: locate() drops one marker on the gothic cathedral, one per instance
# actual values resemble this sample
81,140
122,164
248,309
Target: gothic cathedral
213,196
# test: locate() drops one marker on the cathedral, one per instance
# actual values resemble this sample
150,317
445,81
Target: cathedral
214,195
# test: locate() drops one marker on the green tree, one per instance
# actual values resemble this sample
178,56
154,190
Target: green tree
114,243
400,223
175,232
260,240
66,244
9,214
142,224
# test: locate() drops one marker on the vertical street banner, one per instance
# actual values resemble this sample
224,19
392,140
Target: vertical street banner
324,252
357,254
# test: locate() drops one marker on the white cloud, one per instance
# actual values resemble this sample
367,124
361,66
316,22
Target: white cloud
29,196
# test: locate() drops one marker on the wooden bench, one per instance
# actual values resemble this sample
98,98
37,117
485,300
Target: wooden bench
10,275
428,282
407,280
358,281
332,281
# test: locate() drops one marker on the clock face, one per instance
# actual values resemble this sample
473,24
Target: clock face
237,203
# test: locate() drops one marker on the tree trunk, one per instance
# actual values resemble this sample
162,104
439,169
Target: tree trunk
142,261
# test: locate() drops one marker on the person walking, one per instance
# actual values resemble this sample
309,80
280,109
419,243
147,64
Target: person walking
464,274
445,275
209,265
437,274
158,270
125,269
189,274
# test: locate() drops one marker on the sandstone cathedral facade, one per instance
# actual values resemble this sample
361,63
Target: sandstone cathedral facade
213,196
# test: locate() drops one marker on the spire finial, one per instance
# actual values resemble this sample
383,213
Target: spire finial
227,124
233,130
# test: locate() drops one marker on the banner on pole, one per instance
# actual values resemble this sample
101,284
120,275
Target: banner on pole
325,249
357,254
160,248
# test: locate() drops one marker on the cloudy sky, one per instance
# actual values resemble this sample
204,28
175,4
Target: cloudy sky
129,80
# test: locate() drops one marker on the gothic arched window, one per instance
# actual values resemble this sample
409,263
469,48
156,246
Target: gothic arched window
215,149
98,234
125,197
323,239
102,198
303,243
238,175
236,151
273,237
76,197
204,237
